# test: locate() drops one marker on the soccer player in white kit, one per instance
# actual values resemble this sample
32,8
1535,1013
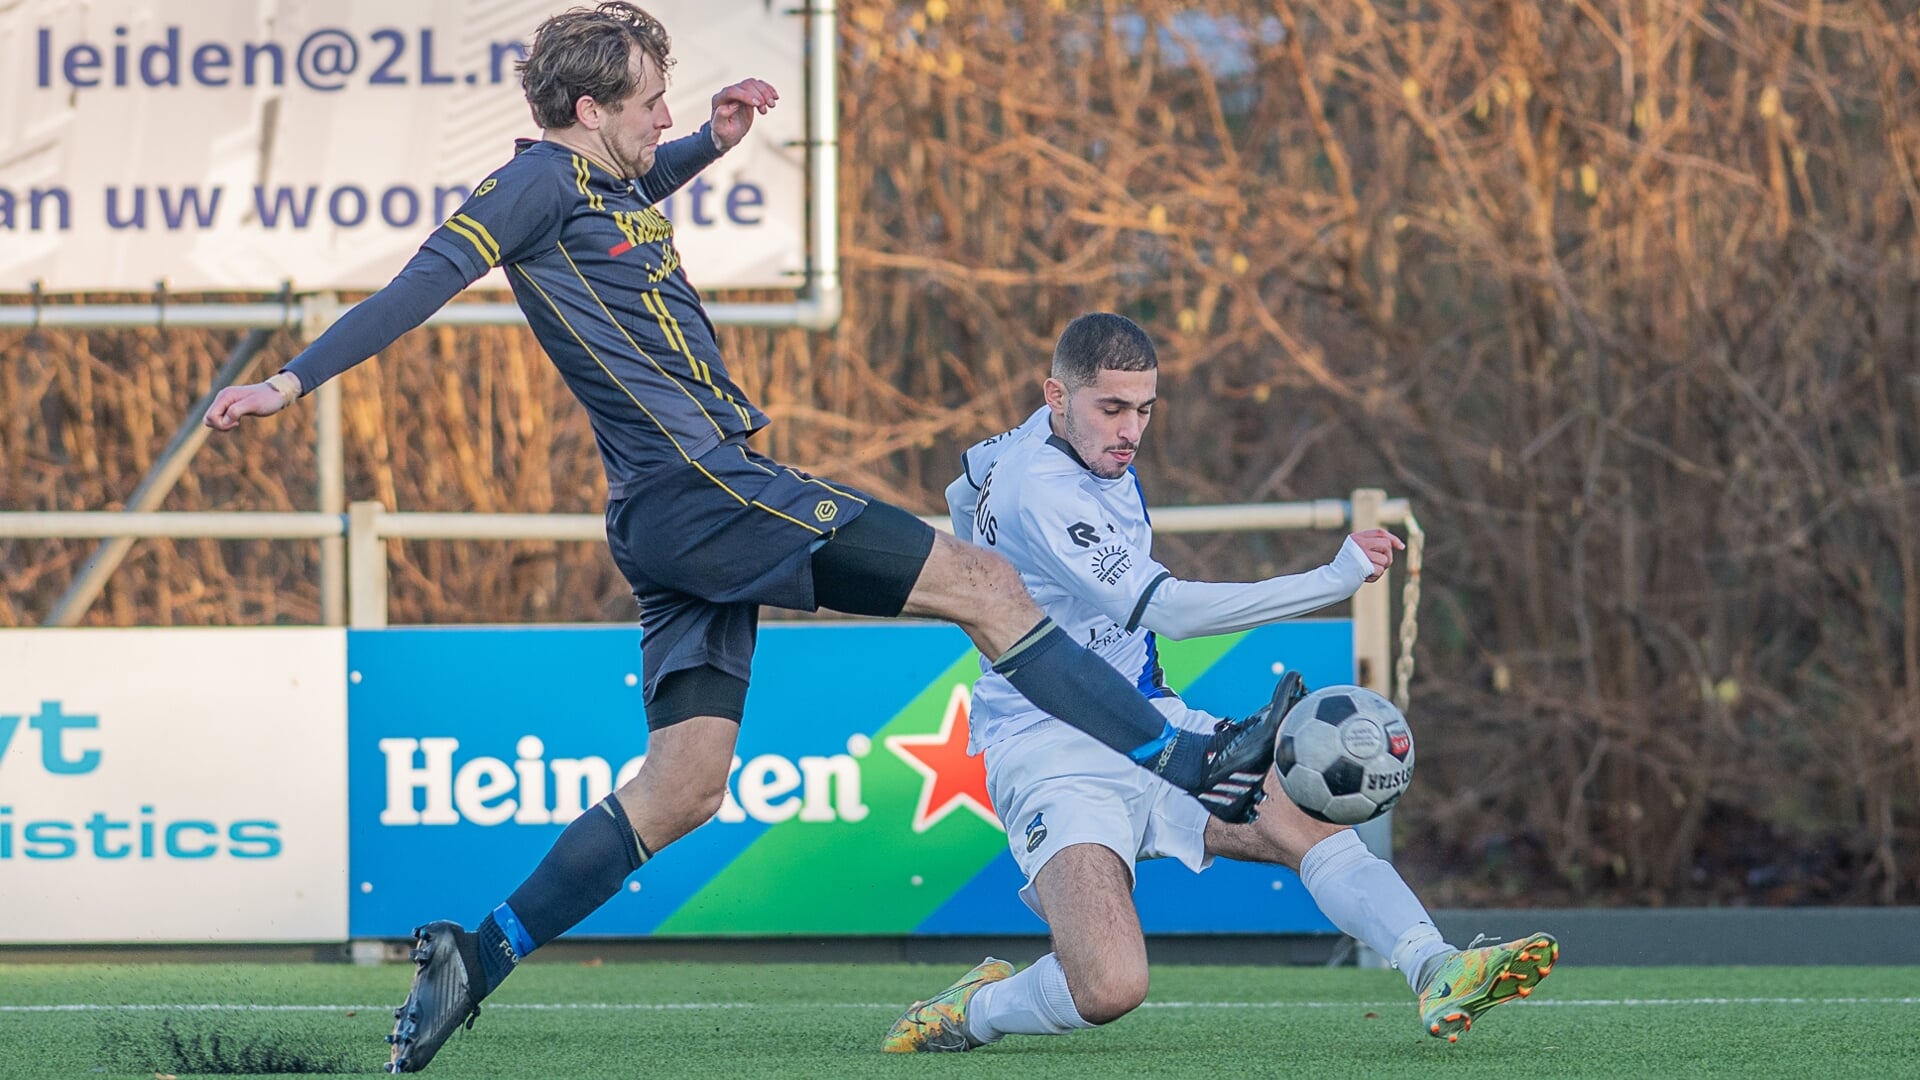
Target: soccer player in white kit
1059,498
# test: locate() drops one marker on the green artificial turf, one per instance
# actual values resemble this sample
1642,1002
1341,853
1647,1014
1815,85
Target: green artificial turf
809,1020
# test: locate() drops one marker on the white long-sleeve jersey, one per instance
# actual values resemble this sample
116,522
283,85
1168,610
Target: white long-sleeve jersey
1084,549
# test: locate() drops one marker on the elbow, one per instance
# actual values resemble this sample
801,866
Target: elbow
1173,629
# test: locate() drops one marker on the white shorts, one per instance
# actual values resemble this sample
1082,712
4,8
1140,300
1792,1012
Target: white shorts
1054,786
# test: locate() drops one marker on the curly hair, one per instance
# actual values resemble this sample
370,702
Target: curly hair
586,52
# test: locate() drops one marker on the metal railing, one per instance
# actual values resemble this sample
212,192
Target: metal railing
365,525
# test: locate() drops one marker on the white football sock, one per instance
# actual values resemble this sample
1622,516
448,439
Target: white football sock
1033,1002
1367,899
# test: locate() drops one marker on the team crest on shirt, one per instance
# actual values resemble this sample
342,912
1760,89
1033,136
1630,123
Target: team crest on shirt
1111,563
1036,831
485,186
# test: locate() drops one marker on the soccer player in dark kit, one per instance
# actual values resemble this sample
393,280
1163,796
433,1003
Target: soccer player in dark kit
704,528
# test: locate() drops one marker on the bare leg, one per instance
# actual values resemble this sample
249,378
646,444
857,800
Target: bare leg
1282,835
683,781
680,786
1097,971
1087,895
977,590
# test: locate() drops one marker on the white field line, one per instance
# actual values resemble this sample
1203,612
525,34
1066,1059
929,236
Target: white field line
680,1006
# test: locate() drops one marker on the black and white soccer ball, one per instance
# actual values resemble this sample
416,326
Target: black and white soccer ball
1344,754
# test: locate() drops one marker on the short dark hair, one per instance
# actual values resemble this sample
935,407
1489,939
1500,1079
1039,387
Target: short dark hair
588,52
1101,342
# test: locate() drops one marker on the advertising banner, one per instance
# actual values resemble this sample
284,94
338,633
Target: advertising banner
173,785
852,807
243,144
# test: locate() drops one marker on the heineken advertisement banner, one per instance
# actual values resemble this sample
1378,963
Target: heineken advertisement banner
852,807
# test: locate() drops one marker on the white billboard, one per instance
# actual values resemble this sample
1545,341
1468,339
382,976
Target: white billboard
245,144
173,785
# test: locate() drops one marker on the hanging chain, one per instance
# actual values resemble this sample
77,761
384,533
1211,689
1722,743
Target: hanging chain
1409,613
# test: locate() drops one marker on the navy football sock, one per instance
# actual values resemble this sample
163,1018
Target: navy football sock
1178,755
1085,691
500,948
582,871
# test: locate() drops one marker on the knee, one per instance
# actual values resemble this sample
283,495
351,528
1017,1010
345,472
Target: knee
1111,994
698,803
705,801
672,810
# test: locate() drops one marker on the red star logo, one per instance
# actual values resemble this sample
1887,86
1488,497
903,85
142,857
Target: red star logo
949,777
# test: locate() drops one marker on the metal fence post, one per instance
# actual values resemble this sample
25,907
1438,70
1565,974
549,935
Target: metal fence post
318,312
329,455
1373,663
366,567
1372,626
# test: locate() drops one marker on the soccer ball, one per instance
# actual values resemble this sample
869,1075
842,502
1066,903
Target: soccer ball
1344,754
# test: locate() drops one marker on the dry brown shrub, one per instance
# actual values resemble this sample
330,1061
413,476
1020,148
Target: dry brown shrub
1623,295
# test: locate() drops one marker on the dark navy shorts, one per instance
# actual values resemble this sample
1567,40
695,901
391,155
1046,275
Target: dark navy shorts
704,545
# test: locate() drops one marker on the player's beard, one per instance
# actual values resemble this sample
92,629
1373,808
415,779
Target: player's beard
633,161
643,161
1097,462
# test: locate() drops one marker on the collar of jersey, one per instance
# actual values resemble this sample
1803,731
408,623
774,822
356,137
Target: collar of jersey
1073,455
597,175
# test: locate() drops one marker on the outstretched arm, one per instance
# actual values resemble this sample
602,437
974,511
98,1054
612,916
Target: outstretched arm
421,288
513,213
1182,609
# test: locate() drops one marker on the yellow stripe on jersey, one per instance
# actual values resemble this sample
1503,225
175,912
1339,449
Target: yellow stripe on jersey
455,226
677,338
582,173
717,482
797,475
744,457
492,246
669,328
644,355
558,314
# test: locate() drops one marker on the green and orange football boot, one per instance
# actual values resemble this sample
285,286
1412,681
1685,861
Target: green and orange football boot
939,1024
1472,981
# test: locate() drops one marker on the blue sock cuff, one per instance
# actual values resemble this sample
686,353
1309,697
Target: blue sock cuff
1146,752
517,935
